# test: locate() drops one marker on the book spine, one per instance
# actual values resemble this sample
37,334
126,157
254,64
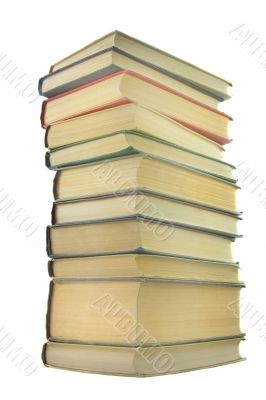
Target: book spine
50,268
43,354
40,83
48,241
47,160
49,304
53,214
46,144
55,184
43,124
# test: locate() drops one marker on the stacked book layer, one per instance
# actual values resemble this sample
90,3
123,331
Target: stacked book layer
143,278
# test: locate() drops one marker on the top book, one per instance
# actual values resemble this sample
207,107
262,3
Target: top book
151,57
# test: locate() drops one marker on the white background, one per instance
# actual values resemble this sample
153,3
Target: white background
36,34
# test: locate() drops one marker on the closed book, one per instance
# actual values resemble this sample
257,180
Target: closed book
139,311
124,266
145,205
141,361
136,235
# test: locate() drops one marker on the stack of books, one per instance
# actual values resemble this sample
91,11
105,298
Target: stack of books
143,278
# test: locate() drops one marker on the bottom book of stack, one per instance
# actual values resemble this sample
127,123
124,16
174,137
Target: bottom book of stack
141,314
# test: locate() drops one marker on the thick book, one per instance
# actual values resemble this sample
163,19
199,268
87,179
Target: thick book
154,311
131,118
145,173
124,266
137,235
145,205
141,361
155,58
110,61
126,143
124,87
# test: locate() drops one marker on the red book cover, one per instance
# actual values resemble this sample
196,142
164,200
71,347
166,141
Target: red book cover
210,135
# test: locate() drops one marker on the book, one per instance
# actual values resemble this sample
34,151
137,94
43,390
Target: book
145,205
154,311
123,266
127,143
141,361
186,72
107,62
131,118
136,235
124,87
145,173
